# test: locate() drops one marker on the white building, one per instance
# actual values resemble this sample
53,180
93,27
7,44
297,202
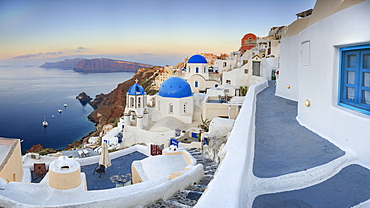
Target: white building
174,99
248,68
135,110
197,74
325,64
174,107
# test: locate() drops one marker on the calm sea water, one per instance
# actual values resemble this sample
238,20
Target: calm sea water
27,94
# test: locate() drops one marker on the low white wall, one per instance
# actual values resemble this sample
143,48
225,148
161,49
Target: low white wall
135,135
42,195
130,196
235,170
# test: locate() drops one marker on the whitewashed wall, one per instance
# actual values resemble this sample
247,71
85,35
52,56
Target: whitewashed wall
288,71
317,80
134,135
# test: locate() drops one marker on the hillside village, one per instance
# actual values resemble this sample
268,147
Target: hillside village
283,119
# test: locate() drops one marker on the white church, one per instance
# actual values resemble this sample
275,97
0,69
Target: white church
197,74
174,108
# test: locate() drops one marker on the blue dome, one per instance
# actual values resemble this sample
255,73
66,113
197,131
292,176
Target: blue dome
197,59
136,89
175,87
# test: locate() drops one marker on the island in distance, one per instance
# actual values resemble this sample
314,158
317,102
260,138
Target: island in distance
67,64
101,65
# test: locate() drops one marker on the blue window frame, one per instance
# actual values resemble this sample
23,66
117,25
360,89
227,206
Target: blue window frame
196,84
354,85
197,70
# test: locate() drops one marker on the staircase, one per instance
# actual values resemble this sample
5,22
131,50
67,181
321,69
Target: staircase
189,197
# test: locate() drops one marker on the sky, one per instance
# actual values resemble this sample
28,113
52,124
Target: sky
157,32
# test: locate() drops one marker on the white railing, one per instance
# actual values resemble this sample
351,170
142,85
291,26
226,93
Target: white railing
230,186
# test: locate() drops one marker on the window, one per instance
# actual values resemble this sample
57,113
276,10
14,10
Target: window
139,102
256,68
204,70
171,108
189,69
305,53
159,105
355,78
197,70
132,101
196,84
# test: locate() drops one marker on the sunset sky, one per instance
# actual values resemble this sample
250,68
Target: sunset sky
157,32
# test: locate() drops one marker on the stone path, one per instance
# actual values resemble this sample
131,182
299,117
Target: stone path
283,147
189,197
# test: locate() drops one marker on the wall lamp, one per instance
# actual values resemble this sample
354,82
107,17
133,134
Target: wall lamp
307,103
288,86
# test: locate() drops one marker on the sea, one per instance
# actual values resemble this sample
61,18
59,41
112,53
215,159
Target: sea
28,95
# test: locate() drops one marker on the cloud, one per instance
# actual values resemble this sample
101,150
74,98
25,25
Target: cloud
40,54
53,53
29,56
80,49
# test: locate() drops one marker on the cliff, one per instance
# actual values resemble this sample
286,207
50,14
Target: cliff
107,65
66,64
110,107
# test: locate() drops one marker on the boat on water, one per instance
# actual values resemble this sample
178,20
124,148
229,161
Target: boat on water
60,111
65,105
45,123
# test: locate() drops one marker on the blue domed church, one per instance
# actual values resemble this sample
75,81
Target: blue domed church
174,99
136,110
196,73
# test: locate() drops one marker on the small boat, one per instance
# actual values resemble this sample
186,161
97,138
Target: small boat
45,123
60,111
52,116
65,105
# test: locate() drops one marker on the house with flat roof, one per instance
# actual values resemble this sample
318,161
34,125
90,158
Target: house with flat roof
10,160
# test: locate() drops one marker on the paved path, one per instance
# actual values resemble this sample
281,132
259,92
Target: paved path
346,189
284,147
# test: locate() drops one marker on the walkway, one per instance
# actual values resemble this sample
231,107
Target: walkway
283,147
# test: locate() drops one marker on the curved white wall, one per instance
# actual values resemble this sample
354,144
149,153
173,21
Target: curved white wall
235,171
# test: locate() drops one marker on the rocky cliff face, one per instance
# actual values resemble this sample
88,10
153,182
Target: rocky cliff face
107,65
111,106
66,64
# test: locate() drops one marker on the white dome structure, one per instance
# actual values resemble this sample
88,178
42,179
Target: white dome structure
174,99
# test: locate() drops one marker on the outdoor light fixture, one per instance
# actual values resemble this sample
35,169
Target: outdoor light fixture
307,103
288,86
